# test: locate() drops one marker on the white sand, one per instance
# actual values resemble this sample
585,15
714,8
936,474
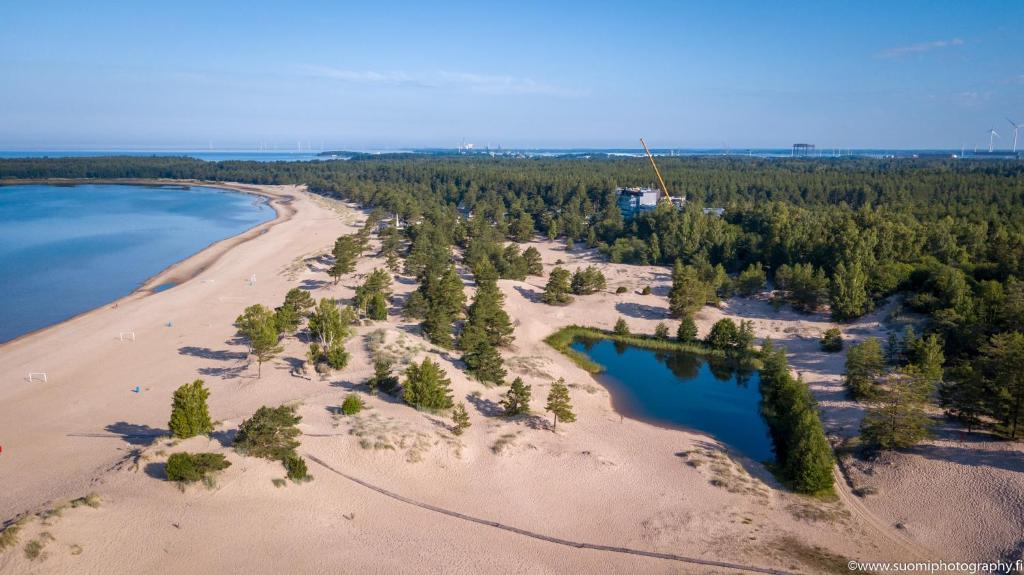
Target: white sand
604,480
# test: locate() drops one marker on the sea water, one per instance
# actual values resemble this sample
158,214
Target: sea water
67,249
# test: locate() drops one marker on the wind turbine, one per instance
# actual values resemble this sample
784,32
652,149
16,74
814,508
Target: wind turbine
992,135
1015,128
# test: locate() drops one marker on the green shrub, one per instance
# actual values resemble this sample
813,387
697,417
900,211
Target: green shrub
270,433
189,414
296,467
687,331
352,405
832,340
427,387
621,289
189,467
661,331
646,290
621,327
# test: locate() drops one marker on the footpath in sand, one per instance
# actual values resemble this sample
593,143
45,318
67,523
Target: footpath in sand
605,480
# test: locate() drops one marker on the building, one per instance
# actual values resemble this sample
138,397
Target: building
803,149
635,201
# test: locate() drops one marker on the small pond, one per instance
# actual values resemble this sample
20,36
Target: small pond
678,389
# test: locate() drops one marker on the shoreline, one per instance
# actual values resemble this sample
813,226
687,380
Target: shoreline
184,269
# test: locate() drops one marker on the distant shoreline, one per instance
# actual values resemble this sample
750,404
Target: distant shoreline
182,270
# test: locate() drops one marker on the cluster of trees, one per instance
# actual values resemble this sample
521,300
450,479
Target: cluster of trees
487,328
898,383
346,252
558,290
329,326
842,233
371,298
270,433
726,335
588,280
802,451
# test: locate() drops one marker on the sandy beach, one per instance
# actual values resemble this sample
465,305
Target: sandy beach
605,480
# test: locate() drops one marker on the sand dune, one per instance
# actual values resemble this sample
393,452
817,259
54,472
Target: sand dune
605,480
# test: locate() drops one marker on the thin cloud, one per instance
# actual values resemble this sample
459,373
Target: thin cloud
478,83
919,48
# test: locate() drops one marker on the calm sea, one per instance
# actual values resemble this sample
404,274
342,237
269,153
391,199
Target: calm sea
68,249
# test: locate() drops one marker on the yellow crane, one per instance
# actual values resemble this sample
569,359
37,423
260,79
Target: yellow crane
657,172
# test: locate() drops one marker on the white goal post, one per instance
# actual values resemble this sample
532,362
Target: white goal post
37,376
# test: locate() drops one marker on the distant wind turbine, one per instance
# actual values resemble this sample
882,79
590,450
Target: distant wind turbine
992,135
1015,128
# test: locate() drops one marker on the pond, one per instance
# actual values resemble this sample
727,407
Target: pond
679,389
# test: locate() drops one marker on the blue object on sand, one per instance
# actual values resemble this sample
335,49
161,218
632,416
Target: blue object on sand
136,390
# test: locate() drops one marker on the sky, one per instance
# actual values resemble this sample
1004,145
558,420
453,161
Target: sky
392,75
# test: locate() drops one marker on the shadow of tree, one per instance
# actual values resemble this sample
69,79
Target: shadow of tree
485,406
530,295
156,470
225,437
642,311
225,372
136,434
207,353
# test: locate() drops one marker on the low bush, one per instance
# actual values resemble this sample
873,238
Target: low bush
190,467
832,340
352,405
296,467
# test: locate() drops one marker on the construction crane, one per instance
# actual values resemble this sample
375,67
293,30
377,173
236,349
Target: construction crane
657,172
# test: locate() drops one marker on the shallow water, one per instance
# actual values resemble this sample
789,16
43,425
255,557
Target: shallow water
67,249
677,389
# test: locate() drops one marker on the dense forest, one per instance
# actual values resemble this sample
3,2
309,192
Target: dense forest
843,233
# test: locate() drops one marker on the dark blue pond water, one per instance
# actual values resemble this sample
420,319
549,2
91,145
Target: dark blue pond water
68,249
684,390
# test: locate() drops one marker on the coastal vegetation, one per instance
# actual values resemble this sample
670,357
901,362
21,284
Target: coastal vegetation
271,433
947,236
560,404
803,457
191,467
190,415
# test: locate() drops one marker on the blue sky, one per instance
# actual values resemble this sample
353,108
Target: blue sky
526,74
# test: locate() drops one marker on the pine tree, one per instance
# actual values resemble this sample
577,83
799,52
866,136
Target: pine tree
621,327
427,386
487,313
723,335
556,292
378,308
809,462
849,292
661,331
265,345
965,395
437,326
1003,358
893,349
190,415
460,419
517,399
346,250
252,321
382,378
534,266
900,420
864,365
687,330
559,403
689,293
482,359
